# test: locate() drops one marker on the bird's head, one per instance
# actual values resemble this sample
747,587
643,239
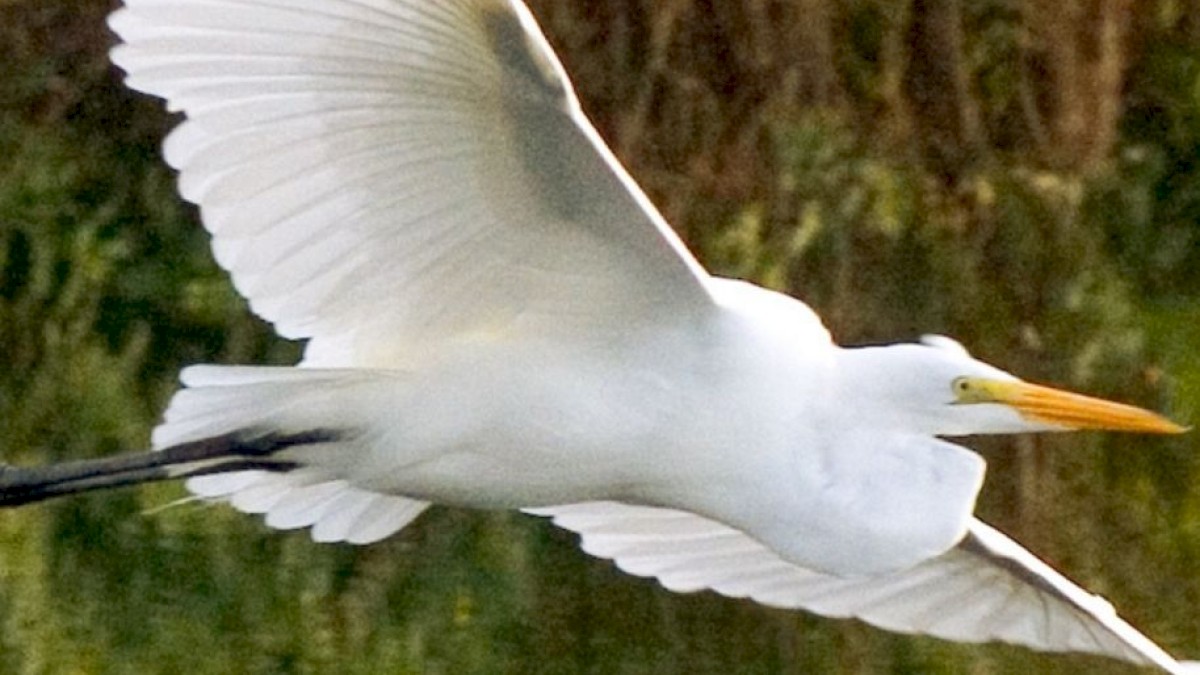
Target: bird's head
937,387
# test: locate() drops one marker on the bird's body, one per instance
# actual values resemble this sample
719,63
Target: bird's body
692,413
497,317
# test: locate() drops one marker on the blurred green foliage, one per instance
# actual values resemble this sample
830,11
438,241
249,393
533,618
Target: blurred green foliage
895,197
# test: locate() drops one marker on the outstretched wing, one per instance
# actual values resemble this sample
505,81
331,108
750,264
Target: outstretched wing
988,588
400,172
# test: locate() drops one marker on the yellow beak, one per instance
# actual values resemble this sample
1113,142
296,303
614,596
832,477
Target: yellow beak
1072,411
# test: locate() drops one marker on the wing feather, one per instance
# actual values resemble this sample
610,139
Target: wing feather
382,175
988,588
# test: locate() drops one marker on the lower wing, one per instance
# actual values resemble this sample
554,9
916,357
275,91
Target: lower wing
988,588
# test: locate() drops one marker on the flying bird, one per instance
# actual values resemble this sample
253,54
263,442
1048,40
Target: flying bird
497,317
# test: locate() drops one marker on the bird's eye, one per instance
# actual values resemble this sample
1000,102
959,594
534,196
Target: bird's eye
968,389
962,388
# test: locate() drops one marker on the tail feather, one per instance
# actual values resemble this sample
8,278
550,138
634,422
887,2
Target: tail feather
285,442
264,495
222,400
218,486
303,506
339,521
335,510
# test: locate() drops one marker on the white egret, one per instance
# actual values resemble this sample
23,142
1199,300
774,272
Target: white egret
497,317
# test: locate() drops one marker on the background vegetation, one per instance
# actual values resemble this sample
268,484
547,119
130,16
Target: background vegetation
1023,176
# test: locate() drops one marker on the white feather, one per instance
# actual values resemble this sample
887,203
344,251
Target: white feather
502,319
395,122
1000,592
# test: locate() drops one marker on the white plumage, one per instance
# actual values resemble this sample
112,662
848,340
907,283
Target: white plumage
497,317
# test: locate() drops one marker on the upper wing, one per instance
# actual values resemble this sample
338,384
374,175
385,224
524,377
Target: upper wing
400,171
989,588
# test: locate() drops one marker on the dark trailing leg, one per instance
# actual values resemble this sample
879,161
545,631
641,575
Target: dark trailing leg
236,451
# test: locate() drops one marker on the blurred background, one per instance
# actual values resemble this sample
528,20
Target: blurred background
1022,176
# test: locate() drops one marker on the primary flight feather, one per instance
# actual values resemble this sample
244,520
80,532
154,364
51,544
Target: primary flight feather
497,317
